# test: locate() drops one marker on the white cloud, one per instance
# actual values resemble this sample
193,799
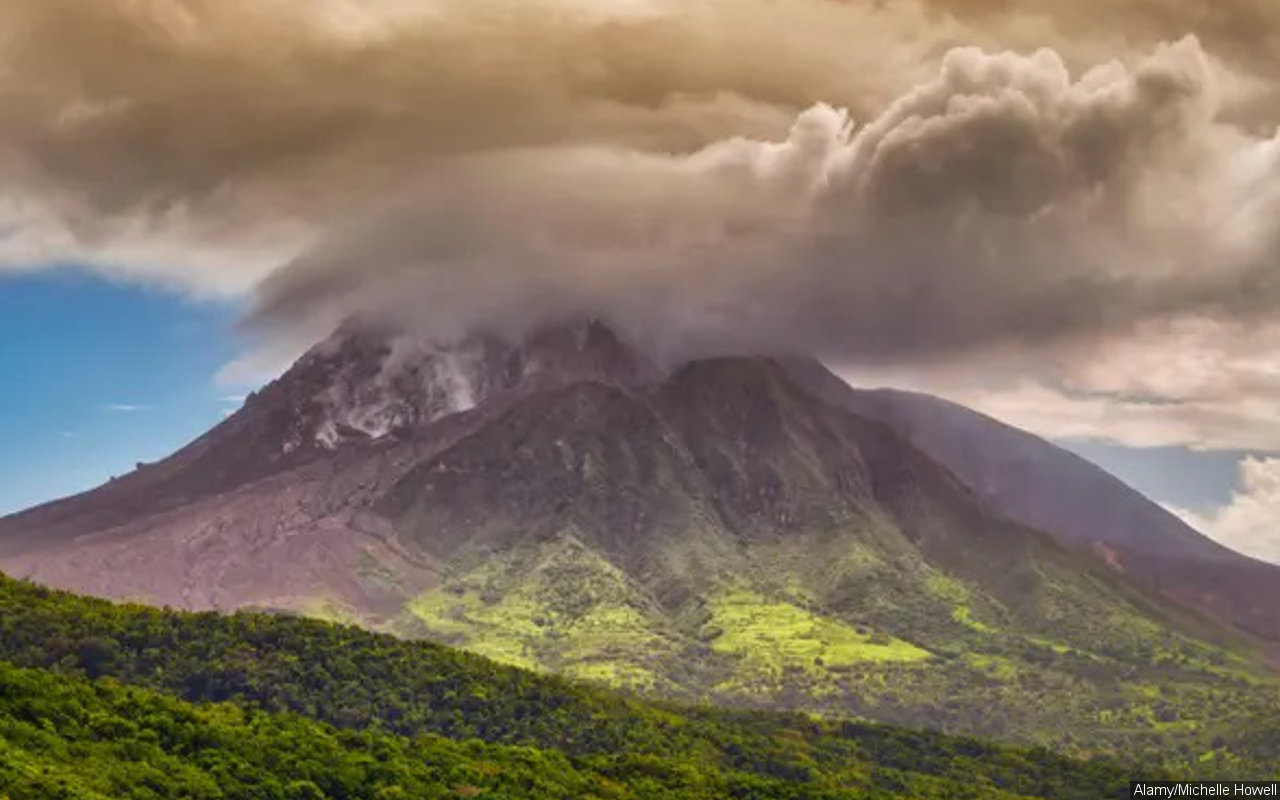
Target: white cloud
232,403
1205,385
169,250
126,408
1250,522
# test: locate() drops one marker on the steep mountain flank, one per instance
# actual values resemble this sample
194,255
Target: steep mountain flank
1048,488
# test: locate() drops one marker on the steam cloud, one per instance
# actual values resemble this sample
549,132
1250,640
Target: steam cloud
722,175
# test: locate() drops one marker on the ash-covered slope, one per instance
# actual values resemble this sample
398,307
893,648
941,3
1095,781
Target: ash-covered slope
269,507
719,530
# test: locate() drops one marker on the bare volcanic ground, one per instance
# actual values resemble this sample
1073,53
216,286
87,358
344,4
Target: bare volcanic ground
297,540
271,508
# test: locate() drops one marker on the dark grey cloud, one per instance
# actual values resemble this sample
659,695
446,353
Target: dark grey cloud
1002,201
828,176
125,125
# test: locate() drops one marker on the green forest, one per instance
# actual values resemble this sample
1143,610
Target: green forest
99,700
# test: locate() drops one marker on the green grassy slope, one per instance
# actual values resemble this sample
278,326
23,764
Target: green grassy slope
293,708
917,646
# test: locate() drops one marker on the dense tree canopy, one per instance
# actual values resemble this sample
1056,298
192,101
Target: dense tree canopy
114,701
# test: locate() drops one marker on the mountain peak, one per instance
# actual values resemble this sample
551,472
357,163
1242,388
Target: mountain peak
369,380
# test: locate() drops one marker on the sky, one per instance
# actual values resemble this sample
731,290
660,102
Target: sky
1064,215
98,376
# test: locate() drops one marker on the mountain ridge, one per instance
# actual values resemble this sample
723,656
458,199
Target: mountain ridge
1056,491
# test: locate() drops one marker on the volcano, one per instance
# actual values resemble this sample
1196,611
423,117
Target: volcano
747,530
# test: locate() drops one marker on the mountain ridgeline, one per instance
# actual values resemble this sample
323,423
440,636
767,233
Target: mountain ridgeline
739,530
1082,505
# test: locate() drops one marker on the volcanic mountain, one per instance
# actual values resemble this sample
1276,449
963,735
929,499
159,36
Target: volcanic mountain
737,529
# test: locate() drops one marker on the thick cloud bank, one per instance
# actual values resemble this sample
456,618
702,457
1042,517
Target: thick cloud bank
877,182
1003,202
201,142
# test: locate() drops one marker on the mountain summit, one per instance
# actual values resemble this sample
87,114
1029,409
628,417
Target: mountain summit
727,529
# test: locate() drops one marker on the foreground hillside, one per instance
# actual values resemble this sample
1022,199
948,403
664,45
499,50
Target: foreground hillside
126,701
64,737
